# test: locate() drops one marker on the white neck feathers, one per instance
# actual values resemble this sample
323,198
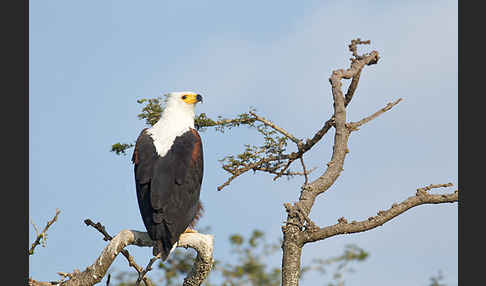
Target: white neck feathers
176,119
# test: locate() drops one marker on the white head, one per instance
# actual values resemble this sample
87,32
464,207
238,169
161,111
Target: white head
182,101
176,118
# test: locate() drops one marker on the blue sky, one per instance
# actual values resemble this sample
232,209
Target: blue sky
91,60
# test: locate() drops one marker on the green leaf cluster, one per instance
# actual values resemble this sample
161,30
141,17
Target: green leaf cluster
151,111
121,148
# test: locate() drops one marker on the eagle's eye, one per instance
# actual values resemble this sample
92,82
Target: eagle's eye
184,97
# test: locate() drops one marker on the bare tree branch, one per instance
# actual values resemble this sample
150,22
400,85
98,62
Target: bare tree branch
302,148
202,243
95,272
141,275
304,170
354,125
352,88
42,235
203,264
349,96
292,244
33,282
343,227
131,262
328,178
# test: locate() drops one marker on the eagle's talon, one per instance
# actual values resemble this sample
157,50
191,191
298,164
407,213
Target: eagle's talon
190,230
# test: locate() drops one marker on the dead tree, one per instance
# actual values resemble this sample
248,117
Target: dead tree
299,229
271,158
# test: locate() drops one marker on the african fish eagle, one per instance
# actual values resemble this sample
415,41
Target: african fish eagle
168,163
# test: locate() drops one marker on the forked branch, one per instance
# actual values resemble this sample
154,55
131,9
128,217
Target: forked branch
131,262
298,222
202,243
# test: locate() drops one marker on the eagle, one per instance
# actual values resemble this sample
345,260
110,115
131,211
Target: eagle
168,167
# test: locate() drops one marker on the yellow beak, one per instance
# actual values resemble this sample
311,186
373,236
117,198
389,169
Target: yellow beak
192,98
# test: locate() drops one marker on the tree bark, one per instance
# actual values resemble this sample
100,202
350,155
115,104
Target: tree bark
292,252
93,274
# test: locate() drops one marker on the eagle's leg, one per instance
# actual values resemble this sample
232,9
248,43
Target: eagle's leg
190,230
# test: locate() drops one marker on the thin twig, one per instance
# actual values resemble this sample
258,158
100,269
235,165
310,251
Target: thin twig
256,166
306,178
43,233
251,166
354,125
289,173
142,274
432,186
223,122
277,128
101,228
280,174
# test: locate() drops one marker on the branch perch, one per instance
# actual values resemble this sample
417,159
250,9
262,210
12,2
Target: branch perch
131,262
202,243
